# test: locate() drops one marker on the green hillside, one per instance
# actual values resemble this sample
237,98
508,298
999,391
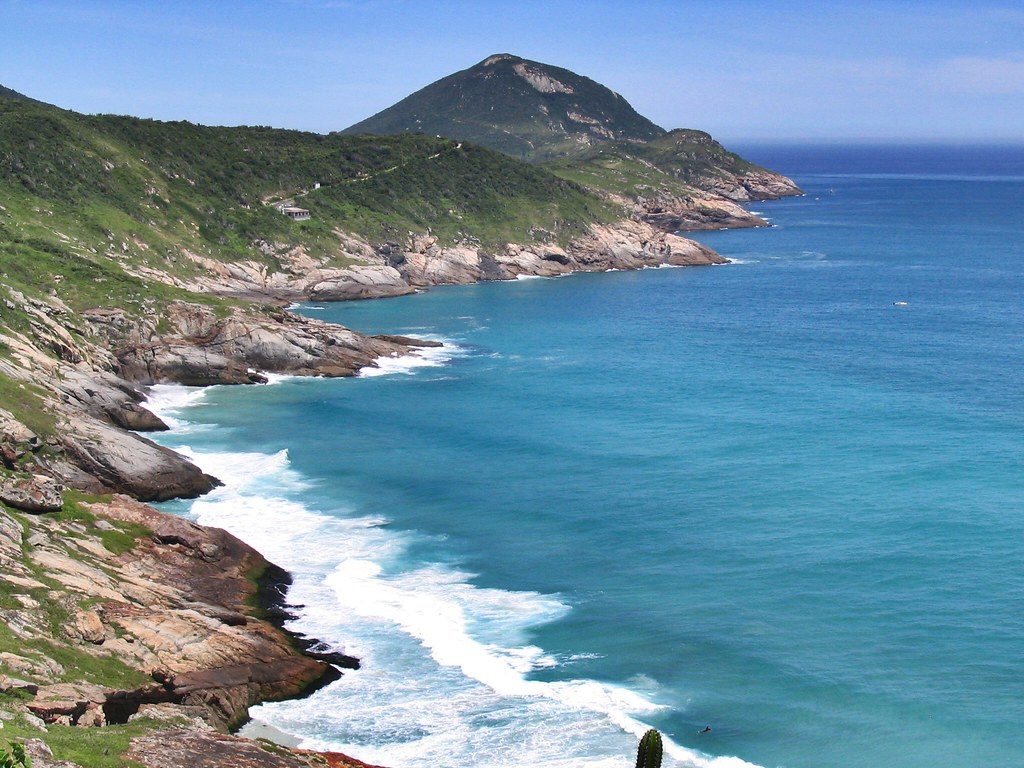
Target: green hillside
522,108
92,198
677,162
7,93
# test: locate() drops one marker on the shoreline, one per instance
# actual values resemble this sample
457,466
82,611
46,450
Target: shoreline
277,587
104,410
274,731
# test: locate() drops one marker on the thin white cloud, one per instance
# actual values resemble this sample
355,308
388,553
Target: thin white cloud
981,75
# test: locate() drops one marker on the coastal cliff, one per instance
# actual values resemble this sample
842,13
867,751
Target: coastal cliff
116,614
134,253
82,374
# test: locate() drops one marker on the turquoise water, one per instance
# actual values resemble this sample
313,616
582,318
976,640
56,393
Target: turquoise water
760,496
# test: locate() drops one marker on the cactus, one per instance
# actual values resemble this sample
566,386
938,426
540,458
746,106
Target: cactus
648,754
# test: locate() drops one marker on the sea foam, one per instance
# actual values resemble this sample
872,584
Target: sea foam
445,663
422,357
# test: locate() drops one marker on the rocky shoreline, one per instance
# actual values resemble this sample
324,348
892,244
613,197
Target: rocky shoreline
192,616
92,367
122,614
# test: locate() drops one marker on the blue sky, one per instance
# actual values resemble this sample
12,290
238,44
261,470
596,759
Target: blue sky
768,70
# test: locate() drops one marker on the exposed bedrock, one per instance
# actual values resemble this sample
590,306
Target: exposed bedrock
175,607
202,348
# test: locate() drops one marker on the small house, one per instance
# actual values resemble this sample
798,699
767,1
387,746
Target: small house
295,213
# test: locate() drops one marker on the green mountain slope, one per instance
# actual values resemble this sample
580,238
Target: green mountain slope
120,192
516,106
7,93
678,163
580,130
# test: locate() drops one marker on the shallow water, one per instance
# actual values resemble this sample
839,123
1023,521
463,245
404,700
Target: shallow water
761,496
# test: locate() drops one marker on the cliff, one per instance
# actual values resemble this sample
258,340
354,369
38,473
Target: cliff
119,616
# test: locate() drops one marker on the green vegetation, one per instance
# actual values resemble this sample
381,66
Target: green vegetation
675,163
522,108
118,538
95,200
79,665
55,605
13,756
25,401
92,747
7,93
648,754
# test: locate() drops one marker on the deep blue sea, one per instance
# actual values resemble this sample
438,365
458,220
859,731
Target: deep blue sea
783,497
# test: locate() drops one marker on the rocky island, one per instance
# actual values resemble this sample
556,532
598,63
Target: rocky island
135,252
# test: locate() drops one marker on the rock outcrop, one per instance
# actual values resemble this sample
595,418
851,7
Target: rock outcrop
34,493
174,606
399,268
113,459
181,748
200,348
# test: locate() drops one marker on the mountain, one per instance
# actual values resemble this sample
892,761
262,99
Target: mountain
520,107
7,93
586,133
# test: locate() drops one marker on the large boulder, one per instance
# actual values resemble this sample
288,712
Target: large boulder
16,440
126,462
235,350
109,398
31,493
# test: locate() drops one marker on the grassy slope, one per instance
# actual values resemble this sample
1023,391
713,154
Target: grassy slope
680,160
87,202
144,189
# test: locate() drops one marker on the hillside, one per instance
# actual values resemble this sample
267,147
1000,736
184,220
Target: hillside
586,133
523,108
7,93
161,174
684,180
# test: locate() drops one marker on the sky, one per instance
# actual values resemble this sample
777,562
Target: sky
745,71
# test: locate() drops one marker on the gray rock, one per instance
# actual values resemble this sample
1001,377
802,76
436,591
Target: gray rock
16,440
129,463
35,493
8,684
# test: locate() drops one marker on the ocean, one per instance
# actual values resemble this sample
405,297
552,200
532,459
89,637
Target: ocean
781,497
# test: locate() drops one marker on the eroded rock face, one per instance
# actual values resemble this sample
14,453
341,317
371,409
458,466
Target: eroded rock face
36,494
126,462
107,397
16,440
175,607
205,349
371,281
181,748
629,244
87,626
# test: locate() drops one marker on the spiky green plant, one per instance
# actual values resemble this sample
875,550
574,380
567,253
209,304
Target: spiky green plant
648,754
14,757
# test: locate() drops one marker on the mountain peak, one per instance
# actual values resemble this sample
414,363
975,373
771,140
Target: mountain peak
514,105
492,60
